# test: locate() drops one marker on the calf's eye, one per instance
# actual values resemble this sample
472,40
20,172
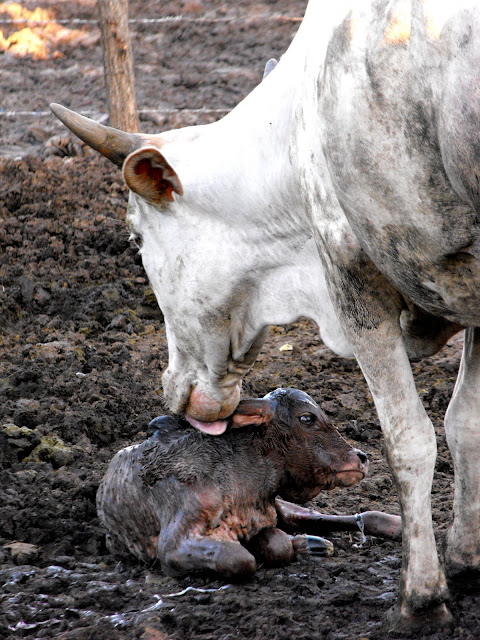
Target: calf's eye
307,418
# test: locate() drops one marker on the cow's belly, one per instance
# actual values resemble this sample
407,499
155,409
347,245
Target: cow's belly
427,246
446,285
429,252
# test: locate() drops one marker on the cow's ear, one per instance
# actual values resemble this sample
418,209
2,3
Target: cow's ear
148,173
253,411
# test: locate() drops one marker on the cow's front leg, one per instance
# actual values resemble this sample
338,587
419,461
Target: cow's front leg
411,451
462,424
370,311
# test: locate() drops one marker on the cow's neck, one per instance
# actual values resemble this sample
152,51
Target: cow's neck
239,170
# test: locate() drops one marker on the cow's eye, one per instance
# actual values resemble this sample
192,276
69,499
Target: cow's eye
307,418
137,240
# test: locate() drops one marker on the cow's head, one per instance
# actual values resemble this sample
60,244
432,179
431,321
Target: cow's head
226,248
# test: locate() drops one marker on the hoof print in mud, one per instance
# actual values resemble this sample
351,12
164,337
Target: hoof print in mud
200,503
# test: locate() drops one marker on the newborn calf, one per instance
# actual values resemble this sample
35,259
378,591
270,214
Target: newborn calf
201,503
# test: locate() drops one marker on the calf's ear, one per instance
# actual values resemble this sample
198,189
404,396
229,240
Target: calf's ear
252,411
148,173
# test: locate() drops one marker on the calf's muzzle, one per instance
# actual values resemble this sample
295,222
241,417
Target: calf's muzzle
354,470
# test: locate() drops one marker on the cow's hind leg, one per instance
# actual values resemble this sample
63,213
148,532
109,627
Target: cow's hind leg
462,424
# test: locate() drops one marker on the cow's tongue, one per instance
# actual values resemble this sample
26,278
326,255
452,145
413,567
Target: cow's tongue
212,428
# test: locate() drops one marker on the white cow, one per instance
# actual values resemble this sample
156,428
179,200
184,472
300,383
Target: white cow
366,137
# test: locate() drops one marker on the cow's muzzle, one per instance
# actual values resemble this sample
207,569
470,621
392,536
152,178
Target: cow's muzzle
209,413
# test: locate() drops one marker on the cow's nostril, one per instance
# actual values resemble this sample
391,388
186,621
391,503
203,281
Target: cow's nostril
363,456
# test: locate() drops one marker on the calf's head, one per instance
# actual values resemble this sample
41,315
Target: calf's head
300,439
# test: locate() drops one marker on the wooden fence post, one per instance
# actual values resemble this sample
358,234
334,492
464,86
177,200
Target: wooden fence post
118,64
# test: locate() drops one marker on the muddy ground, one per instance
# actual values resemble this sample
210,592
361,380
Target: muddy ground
83,346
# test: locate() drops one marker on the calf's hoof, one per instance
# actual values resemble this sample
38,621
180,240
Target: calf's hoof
235,564
403,619
312,546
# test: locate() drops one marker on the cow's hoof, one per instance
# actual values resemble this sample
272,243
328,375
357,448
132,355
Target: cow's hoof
402,619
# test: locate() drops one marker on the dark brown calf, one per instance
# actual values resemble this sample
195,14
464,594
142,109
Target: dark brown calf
201,503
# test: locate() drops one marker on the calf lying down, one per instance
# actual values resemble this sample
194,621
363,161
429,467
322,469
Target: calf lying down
198,503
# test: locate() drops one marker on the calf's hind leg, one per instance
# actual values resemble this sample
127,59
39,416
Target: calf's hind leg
462,426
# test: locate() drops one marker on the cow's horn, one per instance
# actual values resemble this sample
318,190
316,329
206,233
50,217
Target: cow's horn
269,67
112,143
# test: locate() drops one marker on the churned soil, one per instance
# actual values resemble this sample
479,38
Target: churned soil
83,347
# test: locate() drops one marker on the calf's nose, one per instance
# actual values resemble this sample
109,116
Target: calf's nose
362,456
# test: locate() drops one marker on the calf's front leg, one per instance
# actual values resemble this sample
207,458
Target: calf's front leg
190,556
293,517
275,548
272,547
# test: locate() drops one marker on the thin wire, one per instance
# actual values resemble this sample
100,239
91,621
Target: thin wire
14,114
155,20
73,21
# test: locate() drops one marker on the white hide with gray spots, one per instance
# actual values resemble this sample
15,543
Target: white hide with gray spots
344,188
390,184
